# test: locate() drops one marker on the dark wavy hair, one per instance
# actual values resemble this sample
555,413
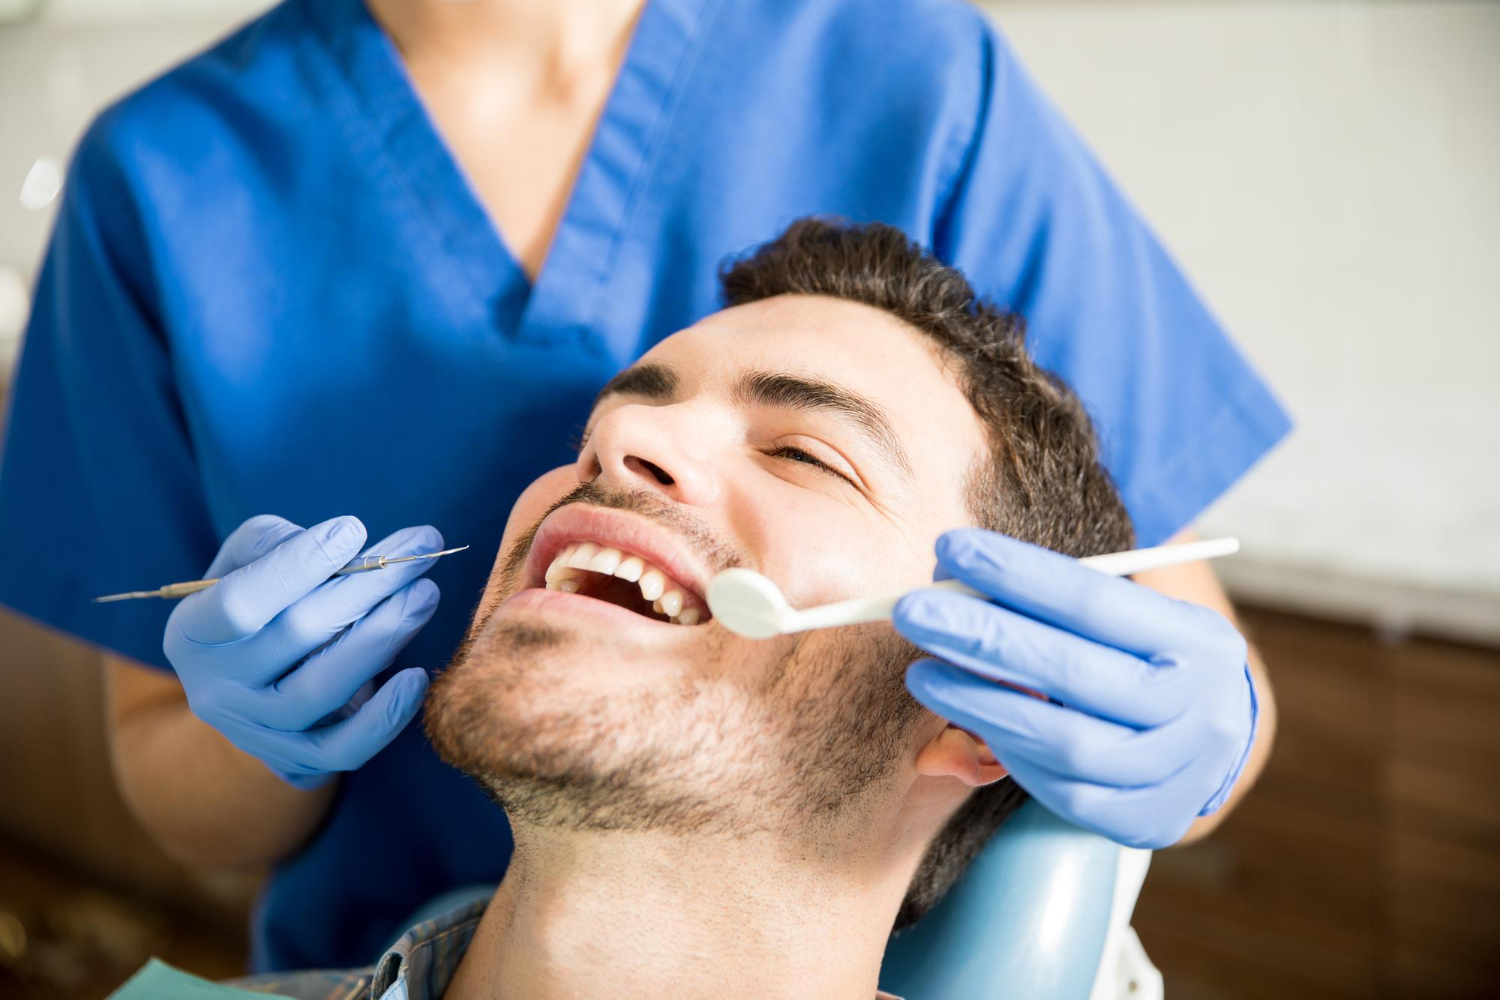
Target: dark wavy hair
1041,480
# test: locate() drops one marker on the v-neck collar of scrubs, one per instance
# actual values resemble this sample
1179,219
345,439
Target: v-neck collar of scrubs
565,301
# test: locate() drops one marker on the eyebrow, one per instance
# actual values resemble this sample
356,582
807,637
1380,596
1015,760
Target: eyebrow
655,382
782,390
788,391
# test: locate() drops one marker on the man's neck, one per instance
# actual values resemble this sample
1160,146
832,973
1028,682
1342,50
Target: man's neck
650,915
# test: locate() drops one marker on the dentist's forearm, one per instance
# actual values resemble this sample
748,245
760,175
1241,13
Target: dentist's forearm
207,803
1196,582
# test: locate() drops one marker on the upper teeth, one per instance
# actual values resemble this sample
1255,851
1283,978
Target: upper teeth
587,556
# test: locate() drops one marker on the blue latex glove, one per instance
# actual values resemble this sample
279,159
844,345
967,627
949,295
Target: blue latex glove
280,659
1152,710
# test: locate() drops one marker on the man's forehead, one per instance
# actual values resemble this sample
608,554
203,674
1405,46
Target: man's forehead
861,348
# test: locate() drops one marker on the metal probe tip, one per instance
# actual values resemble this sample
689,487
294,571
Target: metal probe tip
427,555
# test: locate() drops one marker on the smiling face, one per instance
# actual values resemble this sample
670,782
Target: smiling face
821,442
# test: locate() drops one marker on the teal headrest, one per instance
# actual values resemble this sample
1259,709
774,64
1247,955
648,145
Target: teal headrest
1028,919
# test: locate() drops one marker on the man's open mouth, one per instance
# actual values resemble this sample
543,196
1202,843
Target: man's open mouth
626,580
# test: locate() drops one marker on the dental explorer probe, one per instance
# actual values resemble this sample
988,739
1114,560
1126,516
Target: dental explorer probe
751,605
361,565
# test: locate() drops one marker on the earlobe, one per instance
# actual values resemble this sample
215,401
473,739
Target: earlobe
956,753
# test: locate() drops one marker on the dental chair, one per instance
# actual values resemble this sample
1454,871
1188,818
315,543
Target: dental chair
1043,913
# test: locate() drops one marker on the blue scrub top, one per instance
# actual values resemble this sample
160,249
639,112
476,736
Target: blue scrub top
271,289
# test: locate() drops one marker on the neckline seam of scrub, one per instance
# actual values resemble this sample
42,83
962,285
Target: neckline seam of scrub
382,113
416,163
693,20
609,189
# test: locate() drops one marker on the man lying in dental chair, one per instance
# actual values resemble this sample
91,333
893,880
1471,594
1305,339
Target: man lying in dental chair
701,815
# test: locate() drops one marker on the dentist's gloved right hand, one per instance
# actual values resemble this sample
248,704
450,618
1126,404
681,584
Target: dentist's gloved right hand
271,652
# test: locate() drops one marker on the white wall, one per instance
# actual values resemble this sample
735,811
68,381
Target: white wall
1328,171
1329,175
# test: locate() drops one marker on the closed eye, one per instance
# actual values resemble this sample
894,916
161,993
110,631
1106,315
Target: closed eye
798,455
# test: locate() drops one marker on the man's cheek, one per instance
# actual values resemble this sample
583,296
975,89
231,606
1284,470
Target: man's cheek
870,564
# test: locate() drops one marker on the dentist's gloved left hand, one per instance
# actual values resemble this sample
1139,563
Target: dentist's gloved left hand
280,655
1152,708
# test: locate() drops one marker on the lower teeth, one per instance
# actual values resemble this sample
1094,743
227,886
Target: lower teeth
688,616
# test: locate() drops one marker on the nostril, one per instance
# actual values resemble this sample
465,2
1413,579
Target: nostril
655,470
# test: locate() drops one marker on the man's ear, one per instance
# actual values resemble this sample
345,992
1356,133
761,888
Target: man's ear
957,753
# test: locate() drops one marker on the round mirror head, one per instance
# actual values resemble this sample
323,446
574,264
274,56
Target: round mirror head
747,603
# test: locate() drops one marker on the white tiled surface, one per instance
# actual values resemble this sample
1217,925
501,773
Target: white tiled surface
1325,170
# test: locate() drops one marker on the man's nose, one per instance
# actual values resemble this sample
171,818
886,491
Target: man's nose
646,447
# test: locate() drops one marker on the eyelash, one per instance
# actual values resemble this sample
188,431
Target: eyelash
806,459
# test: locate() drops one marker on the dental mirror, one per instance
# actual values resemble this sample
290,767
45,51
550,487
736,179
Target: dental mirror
751,605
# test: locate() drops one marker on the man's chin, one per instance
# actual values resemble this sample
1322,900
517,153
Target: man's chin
525,688
564,739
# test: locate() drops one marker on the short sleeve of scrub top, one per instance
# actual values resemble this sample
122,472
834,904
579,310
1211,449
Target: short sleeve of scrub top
253,248
99,481
1179,416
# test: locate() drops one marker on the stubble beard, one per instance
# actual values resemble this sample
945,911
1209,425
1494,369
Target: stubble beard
730,749
792,754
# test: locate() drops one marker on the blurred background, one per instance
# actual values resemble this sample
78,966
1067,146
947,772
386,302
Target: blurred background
1328,172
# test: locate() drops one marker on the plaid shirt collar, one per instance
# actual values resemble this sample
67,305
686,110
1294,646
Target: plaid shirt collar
420,965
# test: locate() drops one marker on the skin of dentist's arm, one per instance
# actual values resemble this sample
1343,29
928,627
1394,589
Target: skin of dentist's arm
1197,583
207,803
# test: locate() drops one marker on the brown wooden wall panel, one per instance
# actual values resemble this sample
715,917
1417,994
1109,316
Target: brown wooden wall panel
1278,887
1443,911
1367,860
1445,743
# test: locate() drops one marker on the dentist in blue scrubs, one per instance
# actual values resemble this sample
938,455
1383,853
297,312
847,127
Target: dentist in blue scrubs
364,265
